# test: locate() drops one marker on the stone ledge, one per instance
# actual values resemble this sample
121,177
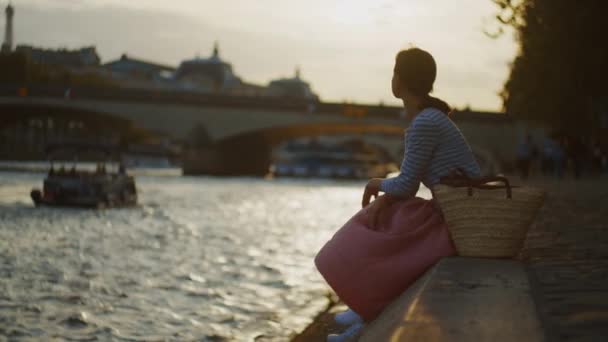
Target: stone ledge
462,299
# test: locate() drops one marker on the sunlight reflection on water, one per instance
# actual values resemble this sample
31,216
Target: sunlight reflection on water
201,258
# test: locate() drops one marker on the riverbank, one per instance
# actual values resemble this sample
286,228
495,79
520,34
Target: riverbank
566,254
324,323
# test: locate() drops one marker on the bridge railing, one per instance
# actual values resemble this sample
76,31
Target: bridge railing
267,103
199,99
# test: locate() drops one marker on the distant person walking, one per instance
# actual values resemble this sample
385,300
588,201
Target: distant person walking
553,157
526,152
596,158
391,242
577,155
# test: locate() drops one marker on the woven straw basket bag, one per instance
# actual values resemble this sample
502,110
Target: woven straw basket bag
486,217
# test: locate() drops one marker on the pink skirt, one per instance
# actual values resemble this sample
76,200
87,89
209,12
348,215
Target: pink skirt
369,268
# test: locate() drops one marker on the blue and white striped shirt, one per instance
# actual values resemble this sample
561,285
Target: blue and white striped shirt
434,147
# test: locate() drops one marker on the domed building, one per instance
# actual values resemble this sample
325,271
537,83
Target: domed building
293,87
207,74
215,76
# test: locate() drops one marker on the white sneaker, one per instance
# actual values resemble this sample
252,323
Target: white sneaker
350,332
348,317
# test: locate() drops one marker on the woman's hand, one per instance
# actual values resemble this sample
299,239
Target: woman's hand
371,189
374,210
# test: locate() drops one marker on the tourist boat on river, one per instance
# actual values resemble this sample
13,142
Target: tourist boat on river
350,159
323,168
99,188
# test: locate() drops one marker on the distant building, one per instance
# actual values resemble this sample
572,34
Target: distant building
210,75
292,87
247,89
7,45
85,57
140,72
207,74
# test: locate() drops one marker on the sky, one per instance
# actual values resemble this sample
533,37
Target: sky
345,48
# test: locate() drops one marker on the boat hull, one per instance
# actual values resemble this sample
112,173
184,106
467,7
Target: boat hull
39,200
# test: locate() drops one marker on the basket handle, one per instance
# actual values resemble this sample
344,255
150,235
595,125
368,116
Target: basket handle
460,179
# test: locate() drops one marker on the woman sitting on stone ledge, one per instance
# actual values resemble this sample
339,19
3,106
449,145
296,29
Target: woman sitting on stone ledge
391,242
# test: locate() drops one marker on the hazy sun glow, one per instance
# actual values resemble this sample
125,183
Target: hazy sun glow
351,13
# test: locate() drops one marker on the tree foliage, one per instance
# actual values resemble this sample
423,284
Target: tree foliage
560,75
18,68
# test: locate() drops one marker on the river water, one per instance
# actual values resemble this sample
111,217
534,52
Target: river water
206,259
201,258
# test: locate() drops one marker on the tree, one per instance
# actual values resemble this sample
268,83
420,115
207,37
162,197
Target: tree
561,71
18,68
13,68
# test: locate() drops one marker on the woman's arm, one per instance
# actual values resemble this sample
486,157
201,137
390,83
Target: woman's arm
421,141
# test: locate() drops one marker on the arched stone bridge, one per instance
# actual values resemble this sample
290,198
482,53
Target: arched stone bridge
237,139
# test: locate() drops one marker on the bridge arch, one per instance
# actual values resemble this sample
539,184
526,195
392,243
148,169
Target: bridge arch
250,153
492,137
175,115
26,128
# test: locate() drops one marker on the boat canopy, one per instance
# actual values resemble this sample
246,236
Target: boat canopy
77,148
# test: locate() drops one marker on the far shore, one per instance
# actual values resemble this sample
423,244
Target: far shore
41,167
